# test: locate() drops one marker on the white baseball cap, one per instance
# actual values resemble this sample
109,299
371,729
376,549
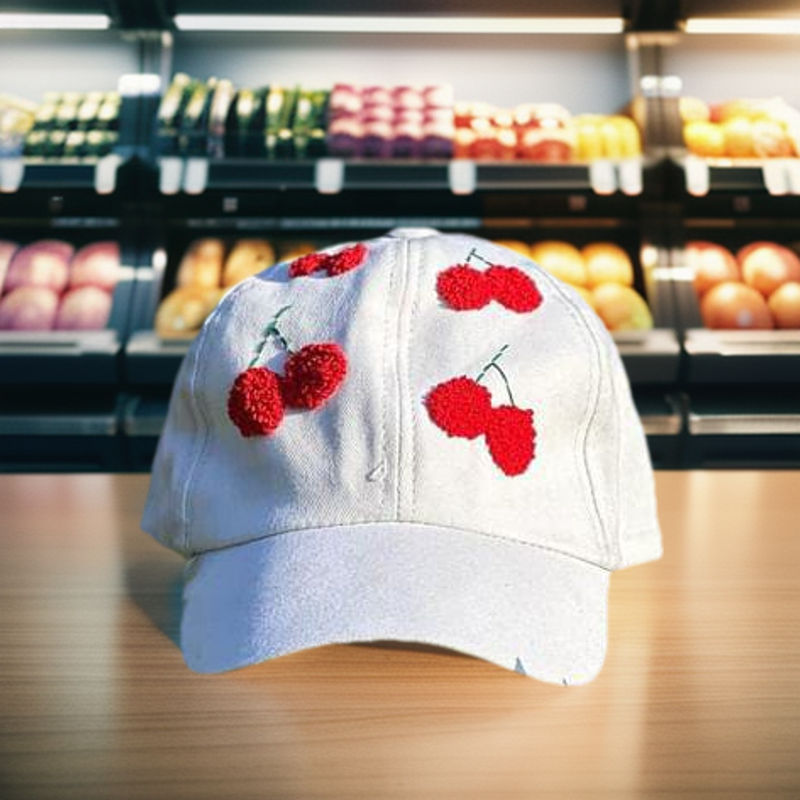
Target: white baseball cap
423,438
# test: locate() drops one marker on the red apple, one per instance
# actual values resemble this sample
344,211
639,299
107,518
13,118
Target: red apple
96,264
766,265
734,305
44,263
711,264
28,308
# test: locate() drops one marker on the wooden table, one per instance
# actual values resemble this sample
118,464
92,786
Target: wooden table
699,696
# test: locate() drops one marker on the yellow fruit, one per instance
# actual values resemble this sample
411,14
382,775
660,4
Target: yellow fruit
590,141
738,137
704,138
560,259
607,263
630,142
621,308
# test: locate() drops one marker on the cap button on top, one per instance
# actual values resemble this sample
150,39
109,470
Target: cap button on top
413,233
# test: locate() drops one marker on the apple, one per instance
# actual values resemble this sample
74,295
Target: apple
43,263
711,264
7,250
621,307
767,265
96,264
28,308
733,305
770,140
86,308
784,305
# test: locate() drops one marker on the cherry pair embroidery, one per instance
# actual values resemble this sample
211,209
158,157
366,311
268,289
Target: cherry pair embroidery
331,263
462,407
462,287
259,397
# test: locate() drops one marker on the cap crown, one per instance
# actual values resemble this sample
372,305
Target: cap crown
372,453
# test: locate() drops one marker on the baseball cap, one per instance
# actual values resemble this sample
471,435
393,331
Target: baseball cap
423,438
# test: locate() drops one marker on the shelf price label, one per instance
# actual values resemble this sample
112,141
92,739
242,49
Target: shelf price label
462,175
329,175
698,176
603,176
195,175
12,172
170,177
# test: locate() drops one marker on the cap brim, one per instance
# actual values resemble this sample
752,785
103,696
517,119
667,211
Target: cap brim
520,606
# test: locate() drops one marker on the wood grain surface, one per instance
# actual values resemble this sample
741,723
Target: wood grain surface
699,696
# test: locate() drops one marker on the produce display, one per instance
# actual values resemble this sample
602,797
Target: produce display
542,132
49,285
390,121
214,118
740,128
207,269
16,119
74,125
601,272
758,287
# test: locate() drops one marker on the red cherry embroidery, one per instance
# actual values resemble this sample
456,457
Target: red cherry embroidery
255,404
463,288
333,263
347,259
460,407
312,375
512,288
306,264
510,438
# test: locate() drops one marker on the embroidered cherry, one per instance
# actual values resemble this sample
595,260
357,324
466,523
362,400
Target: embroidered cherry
333,263
255,403
259,397
513,289
463,288
312,375
510,437
460,407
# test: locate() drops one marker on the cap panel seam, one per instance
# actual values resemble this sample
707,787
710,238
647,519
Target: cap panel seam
582,432
386,379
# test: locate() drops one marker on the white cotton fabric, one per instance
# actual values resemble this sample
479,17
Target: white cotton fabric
363,520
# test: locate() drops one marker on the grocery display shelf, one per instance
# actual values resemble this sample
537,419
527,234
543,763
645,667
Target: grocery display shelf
649,356
714,357
776,176
101,174
196,175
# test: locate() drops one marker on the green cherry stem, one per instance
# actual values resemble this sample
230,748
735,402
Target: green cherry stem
475,254
270,331
494,365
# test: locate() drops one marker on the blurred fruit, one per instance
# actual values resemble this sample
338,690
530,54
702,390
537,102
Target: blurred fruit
784,305
589,144
182,312
704,138
85,308
693,109
621,307
766,265
44,263
516,246
96,264
560,259
202,263
28,308
248,257
606,263
770,140
734,305
711,264
738,133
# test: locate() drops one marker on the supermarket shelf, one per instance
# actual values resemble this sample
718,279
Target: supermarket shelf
649,356
332,175
736,356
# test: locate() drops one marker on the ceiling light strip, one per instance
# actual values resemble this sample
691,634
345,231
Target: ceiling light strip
750,26
308,23
32,21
